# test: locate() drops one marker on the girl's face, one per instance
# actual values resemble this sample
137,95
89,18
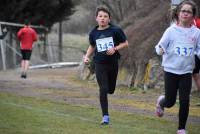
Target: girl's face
186,15
102,19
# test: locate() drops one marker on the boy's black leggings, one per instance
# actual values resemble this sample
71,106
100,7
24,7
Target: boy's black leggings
183,84
106,75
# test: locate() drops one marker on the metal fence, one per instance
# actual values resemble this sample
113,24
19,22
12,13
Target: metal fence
45,51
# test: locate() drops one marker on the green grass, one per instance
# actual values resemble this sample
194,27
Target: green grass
71,40
74,46
74,40
26,115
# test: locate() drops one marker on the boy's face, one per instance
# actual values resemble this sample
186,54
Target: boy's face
102,19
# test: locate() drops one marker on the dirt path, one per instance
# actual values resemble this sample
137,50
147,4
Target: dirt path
62,85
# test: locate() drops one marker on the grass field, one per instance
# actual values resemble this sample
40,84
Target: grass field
27,115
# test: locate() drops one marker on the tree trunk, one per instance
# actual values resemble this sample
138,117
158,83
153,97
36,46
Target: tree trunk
140,71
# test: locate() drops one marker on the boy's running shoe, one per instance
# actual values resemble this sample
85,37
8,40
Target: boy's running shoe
105,120
181,131
23,75
159,109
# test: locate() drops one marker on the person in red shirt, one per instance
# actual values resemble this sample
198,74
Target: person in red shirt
27,36
196,75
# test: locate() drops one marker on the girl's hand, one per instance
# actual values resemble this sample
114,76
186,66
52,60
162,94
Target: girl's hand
161,51
110,51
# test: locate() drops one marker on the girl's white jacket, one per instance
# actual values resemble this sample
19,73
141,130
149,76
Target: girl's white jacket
179,45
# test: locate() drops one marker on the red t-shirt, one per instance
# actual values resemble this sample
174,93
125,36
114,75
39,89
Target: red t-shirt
197,22
27,36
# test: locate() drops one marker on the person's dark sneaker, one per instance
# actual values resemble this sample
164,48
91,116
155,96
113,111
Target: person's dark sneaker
111,92
23,75
105,120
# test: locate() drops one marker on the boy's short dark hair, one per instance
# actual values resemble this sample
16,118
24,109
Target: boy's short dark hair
102,8
27,22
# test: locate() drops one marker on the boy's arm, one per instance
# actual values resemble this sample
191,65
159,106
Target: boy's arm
121,46
35,36
19,34
89,52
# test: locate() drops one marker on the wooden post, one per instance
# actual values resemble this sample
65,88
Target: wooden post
2,50
3,55
60,41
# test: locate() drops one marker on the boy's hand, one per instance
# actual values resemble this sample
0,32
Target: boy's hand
110,51
86,59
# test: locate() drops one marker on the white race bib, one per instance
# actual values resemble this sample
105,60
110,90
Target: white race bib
183,49
104,44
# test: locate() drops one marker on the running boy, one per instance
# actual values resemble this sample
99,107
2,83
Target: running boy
178,45
105,41
26,36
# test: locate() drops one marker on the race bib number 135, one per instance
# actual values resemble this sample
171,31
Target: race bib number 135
104,44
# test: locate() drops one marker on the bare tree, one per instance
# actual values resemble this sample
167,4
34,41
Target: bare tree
120,9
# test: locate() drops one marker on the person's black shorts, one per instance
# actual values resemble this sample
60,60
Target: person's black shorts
197,65
26,54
